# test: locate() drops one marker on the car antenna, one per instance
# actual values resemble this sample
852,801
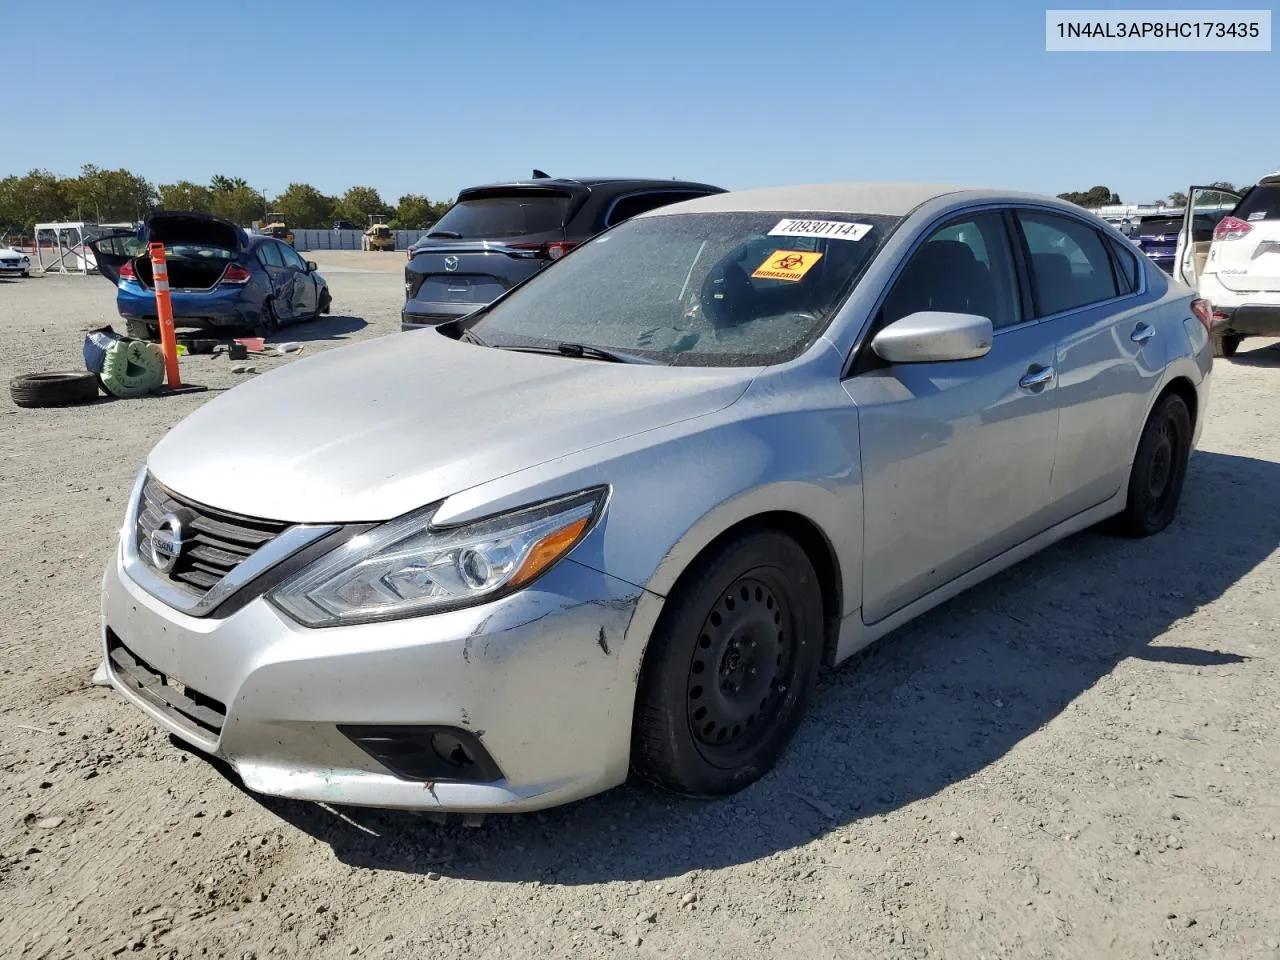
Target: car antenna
539,175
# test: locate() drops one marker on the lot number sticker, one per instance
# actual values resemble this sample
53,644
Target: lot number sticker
835,229
786,265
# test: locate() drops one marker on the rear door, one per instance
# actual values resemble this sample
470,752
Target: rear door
486,243
1246,249
1109,352
1206,207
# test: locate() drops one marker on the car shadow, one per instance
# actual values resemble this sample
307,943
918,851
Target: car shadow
325,327
932,704
1265,355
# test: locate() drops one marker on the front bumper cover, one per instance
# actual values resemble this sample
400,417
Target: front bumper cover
544,678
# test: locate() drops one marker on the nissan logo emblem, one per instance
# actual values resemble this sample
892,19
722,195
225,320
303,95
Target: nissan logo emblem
166,542
451,264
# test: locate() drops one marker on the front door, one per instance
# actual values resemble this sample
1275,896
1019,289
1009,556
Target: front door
1206,207
956,456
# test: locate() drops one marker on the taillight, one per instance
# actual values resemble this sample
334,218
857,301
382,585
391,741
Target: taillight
235,274
547,251
126,271
1203,312
1231,228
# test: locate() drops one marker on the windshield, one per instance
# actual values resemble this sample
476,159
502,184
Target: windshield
513,214
712,289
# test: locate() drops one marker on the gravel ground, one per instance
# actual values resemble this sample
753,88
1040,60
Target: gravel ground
1077,759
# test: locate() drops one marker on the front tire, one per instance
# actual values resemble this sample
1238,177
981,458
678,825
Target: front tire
730,668
1159,469
141,330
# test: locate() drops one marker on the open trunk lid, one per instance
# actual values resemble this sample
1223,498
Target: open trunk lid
197,229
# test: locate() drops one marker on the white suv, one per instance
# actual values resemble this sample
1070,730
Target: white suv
1237,266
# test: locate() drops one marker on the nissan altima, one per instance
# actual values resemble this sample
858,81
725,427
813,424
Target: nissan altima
616,521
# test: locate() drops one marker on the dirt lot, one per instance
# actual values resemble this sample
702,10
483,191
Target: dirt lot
1078,759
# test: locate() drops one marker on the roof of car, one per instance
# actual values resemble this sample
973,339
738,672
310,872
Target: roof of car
626,182
890,199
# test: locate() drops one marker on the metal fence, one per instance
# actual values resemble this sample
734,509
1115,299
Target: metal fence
346,239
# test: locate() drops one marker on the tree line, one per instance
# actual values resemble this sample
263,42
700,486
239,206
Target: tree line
1105,196
119,196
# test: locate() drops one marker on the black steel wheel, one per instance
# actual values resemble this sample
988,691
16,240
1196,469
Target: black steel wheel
1159,469
730,669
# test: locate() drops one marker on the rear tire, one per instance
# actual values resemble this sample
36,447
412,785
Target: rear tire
730,669
1225,345
1159,469
269,323
53,389
141,330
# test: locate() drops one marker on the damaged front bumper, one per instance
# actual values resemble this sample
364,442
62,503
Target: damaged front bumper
530,696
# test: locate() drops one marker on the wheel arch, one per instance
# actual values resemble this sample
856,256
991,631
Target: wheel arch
801,528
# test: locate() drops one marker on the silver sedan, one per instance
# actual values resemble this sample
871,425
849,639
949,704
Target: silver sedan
615,522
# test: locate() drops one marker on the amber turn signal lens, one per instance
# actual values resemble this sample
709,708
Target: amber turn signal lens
548,550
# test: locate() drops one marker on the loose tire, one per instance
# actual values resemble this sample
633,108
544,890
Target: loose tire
1225,345
141,330
53,389
1159,469
730,668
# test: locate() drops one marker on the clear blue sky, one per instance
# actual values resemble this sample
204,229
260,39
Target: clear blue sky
735,93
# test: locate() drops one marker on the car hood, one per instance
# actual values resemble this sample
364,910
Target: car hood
377,429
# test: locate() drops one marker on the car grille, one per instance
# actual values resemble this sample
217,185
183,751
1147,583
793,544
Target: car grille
186,707
215,542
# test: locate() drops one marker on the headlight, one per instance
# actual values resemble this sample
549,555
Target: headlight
408,568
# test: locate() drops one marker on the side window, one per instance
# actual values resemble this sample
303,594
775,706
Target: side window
291,258
269,253
964,267
1126,267
1070,267
628,207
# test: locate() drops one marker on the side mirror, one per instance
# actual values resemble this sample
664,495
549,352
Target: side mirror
932,337
311,266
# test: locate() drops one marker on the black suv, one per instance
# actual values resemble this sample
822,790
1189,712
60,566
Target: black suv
495,236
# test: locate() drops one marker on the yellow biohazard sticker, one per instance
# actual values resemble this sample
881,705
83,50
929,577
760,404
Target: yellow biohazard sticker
786,265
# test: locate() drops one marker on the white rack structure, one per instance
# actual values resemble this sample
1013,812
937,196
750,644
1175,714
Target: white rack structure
71,256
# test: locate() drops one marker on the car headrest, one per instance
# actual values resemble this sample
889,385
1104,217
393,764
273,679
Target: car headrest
727,296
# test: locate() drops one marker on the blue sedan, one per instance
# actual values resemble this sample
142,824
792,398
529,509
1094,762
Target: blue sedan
219,276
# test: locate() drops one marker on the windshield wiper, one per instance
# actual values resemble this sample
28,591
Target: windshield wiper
445,233
468,336
578,350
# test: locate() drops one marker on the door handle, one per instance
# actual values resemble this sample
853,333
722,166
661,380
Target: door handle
1037,378
1142,333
